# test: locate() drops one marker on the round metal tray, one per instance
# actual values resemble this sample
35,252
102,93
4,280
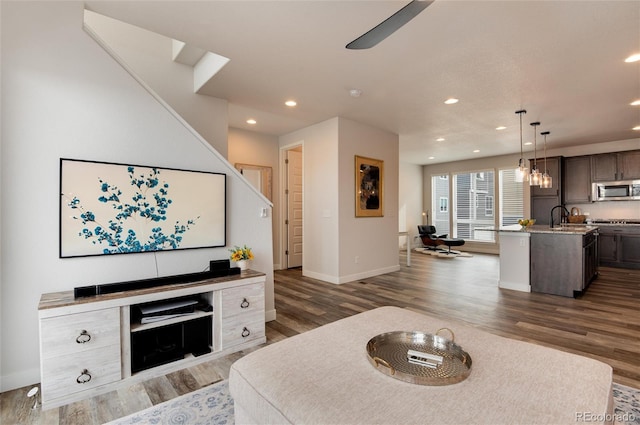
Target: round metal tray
387,352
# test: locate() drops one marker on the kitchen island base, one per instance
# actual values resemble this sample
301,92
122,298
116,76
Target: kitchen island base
563,264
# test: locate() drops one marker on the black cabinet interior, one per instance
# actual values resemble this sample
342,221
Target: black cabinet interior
165,344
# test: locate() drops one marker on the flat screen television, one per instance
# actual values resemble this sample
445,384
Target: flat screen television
108,208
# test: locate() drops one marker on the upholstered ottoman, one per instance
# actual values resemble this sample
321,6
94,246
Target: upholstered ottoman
323,377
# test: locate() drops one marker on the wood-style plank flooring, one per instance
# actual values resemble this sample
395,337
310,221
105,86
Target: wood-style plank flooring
603,324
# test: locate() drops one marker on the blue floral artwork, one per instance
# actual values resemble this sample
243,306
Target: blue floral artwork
115,209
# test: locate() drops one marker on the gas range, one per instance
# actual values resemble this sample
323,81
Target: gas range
615,221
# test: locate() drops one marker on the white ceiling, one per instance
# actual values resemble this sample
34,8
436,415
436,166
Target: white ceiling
562,61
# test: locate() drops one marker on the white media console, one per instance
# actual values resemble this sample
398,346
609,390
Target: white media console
92,345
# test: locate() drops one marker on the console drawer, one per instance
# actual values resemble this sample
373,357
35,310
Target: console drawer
75,333
64,375
240,329
242,299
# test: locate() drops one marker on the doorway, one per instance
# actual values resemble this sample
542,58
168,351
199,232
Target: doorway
293,207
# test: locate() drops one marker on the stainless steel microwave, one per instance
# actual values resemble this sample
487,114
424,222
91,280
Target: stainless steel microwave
628,190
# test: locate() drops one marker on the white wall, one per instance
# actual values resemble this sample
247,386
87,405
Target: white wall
333,236
410,183
320,193
64,96
150,56
248,147
373,240
1,179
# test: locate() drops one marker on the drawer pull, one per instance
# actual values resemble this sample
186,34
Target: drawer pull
244,303
84,377
83,337
246,332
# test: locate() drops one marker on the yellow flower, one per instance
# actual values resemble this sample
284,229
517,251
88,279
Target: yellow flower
243,253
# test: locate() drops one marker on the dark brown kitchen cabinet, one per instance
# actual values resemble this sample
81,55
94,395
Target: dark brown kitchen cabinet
542,200
541,208
589,258
616,166
604,167
577,180
608,247
619,246
630,251
630,164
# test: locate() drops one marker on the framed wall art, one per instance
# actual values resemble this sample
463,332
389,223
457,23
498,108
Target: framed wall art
108,208
369,175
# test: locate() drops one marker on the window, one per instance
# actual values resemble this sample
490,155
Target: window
511,207
472,192
440,203
444,204
488,206
473,203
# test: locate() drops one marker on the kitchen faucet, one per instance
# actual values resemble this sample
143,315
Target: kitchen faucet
561,215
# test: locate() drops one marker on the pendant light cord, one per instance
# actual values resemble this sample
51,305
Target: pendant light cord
521,161
535,146
544,133
521,152
545,153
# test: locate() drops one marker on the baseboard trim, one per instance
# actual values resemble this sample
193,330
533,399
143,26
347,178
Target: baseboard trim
369,273
270,315
514,286
338,280
320,276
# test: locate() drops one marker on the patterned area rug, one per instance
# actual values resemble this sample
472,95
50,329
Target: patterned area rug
626,402
213,405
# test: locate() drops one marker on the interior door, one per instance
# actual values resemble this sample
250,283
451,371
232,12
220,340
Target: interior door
294,208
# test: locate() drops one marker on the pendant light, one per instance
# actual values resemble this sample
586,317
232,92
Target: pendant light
547,181
536,177
522,172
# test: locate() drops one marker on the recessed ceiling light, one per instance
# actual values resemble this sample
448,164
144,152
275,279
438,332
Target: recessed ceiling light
637,128
451,101
502,127
432,157
528,143
633,58
476,151
355,92
635,103
252,121
291,103
440,139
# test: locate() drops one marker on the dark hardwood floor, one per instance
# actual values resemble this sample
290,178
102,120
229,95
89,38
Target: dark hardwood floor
603,324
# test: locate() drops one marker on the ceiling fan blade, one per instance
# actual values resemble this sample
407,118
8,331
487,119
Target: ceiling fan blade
389,25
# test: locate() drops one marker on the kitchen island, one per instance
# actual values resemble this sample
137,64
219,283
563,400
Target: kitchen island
561,260
564,260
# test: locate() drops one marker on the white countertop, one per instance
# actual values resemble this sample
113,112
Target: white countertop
571,229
